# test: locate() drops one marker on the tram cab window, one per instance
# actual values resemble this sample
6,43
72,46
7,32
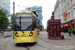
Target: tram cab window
34,25
16,28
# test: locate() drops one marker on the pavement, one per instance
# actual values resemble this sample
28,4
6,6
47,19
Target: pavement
67,43
1,36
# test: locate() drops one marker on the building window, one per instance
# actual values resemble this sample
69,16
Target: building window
68,16
72,14
64,0
71,0
3,0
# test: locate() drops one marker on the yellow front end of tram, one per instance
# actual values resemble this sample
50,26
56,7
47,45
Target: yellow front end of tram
25,36
25,30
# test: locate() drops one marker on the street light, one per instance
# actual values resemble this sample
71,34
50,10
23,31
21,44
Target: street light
18,7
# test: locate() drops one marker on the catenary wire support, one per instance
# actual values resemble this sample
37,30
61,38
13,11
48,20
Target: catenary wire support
13,8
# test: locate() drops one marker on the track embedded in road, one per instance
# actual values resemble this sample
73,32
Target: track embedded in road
4,48
27,48
43,47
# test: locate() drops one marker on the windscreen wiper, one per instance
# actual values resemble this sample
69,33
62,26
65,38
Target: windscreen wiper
20,24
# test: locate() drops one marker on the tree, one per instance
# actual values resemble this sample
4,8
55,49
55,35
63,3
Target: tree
12,25
3,20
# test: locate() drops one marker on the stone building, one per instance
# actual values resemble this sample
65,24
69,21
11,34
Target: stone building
67,6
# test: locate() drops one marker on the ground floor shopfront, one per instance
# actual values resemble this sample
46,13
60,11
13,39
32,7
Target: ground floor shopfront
68,24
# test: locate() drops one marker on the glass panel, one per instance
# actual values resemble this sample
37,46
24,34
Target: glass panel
24,23
24,19
26,26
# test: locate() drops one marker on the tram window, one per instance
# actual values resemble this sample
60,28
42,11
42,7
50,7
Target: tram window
29,27
16,27
34,25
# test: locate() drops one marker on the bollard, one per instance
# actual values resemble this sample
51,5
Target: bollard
4,34
8,33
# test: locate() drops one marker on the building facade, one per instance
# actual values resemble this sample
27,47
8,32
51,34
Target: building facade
67,6
57,10
5,5
38,10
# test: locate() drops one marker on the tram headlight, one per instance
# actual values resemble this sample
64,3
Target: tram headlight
31,33
16,34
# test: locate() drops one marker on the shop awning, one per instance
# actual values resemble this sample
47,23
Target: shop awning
66,25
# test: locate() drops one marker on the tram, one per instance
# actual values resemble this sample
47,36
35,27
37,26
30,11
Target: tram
25,27
42,29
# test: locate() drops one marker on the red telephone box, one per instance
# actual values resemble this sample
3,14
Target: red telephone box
54,29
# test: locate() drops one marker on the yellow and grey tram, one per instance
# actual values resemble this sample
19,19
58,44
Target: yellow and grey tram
25,30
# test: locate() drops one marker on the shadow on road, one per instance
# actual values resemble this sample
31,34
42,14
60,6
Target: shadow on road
24,44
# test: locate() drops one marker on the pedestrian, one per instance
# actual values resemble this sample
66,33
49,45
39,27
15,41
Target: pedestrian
64,30
70,30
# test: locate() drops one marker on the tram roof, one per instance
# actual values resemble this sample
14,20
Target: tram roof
34,13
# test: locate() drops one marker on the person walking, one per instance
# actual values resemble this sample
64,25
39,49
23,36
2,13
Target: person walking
70,30
64,30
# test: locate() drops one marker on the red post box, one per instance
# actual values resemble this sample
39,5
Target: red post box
54,29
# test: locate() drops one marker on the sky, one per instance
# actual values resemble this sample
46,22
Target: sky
47,7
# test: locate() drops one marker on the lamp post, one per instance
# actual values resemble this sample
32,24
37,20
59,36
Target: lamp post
18,7
13,8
